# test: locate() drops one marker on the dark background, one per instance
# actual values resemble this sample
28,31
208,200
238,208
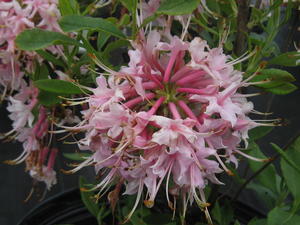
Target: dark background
16,184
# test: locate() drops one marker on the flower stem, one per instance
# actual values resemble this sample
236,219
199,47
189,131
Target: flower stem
174,110
244,185
187,110
170,66
157,104
137,100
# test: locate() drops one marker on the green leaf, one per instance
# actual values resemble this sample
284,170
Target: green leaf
216,213
41,72
58,86
276,77
256,221
284,89
51,58
280,217
223,215
236,223
234,7
268,177
102,39
286,59
35,39
213,5
259,132
48,98
103,213
131,5
267,196
73,23
68,7
286,157
177,7
125,20
78,156
87,197
106,54
290,174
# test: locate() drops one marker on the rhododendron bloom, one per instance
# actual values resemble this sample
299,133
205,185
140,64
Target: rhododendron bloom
164,118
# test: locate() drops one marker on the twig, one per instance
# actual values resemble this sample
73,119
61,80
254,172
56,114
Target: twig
288,144
242,21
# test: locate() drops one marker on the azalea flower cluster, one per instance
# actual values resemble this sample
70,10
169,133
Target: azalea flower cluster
173,117
33,134
15,17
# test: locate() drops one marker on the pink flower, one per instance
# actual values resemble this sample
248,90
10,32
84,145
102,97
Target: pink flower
41,172
16,17
20,113
103,95
163,119
21,105
171,129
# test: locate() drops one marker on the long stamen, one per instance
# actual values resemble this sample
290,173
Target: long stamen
85,163
73,99
251,157
261,113
69,103
101,65
248,95
167,188
270,124
150,202
3,93
19,159
174,208
257,83
223,165
202,195
240,59
138,197
186,27
254,74
269,120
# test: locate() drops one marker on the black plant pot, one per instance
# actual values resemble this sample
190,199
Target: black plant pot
67,208
63,208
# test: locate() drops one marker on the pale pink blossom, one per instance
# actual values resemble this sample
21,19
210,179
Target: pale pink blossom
15,17
43,170
162,119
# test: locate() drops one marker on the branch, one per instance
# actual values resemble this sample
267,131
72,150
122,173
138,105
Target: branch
288,144
242,21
